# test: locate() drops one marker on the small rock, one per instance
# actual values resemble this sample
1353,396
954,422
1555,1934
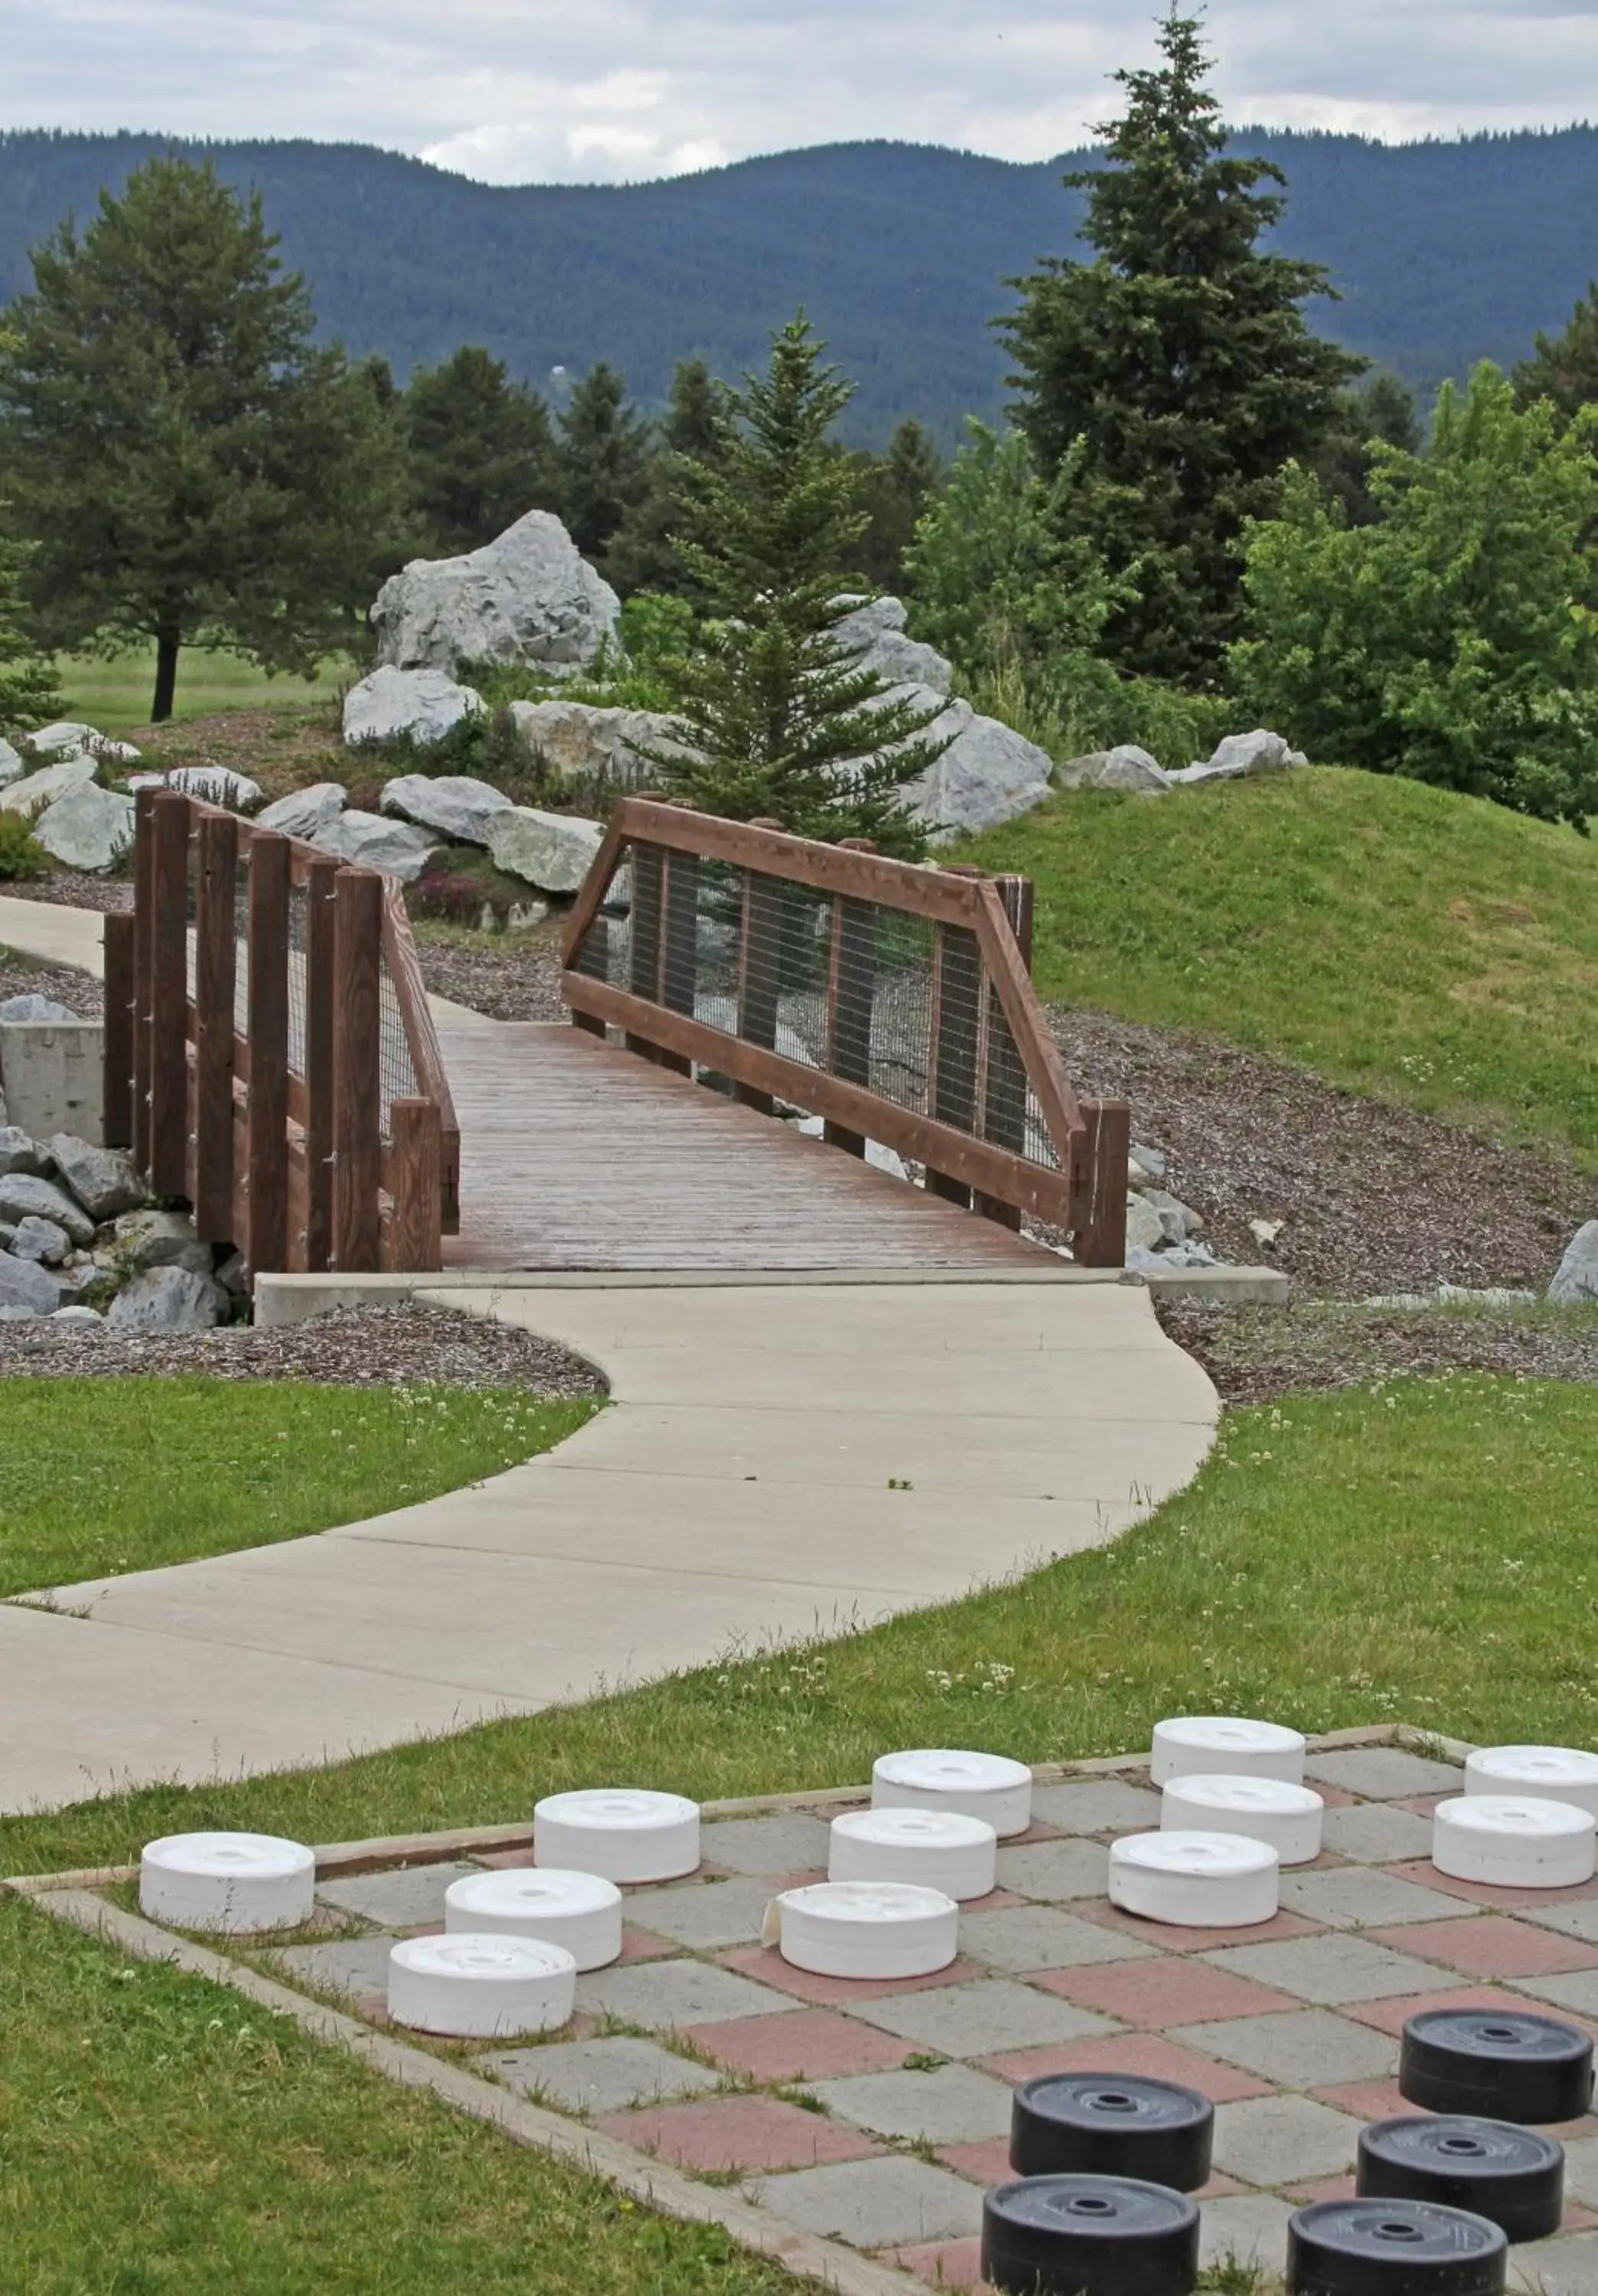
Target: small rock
369,841
1577,1276
1177,1219
1266,1232
35,1011
1146,1230
521,916
1126,767
37,791
1244,754
168,1300
457,806
41,1240
87,828
421,705
26,1286
554,851
23,1196
77,1316
103,1179
18,1153
156,1239
234,1276
304,812
1153,1163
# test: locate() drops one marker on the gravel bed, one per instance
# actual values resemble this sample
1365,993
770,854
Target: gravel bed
23,977
407,1345
69,889
510,977
1260,1355
1374,1199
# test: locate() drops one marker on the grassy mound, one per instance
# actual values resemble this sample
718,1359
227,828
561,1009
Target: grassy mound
1431,949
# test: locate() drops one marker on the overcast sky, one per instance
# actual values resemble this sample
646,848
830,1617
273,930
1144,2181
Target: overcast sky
516,91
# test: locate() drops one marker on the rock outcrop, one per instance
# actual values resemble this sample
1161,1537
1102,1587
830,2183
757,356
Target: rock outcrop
374,841
457,808
417,705
554,851
89,828
582,743
304,812
529,596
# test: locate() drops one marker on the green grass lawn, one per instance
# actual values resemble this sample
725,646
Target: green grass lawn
106,1475
1422,1550
1431,949
114,692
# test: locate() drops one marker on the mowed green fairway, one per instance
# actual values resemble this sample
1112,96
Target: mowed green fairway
1435,950
114,693
102,1476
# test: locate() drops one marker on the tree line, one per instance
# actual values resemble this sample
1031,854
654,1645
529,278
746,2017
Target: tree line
1198,505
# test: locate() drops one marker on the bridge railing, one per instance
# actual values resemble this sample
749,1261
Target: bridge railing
894,1000
269,1051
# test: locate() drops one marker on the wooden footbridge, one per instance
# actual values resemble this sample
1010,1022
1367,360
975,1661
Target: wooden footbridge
272,1055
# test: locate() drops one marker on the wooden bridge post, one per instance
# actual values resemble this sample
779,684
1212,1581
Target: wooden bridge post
679,939
957,979
644,964
216,968
1100,1187
759,968
267,1247
1005,1100
143,968
415,1225
121,928
358,1070
169,1165
321,997
851,997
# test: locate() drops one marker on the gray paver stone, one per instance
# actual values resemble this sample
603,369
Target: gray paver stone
1581,2171
1097,1805
1301,2048
601,2076
1055,1869
710,1913
1333,1969
976,2020
1383,1773
1576,1918
787,1844
403,1899
1353,1897
954,2104
1284,2140
1375,1834
663,1995
1041,1937
1251,2227
888,2203
355,1966
1557,2268
1578,1991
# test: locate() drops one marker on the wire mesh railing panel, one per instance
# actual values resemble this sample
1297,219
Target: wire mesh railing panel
299,977
241,970
397,1066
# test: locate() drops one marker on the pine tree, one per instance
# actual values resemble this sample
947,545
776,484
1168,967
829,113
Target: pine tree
189,467
1381,413
896,490
1180,356
483,452
643,555
602,461
1564,368
29,696
780,717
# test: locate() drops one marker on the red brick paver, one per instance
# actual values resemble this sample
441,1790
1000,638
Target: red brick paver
1163,1993
767,1966
1488,1893
1391,2016
807,2045
985,2164
756,2133
1145,2054
942,2264
1492,1945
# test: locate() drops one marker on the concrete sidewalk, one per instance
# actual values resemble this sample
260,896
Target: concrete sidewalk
741,1489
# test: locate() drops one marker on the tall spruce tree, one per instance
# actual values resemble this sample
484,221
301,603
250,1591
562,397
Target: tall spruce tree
29,696
896,490
779,717
602,461
1180,356
483,452
643,555
1381,414
1564,368
189,467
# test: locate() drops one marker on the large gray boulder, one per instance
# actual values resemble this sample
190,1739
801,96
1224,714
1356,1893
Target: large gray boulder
211,784
459,808
158,1239
875,631
88,829
1577,1276
12,768
33,1011
19,1153
1241,755
168,1300
23,1195
368,841
579,742
417,705
37,789
1124,768
103,1179
40,1240
529,596
554,851
26,1286
68,737
303,812
988,773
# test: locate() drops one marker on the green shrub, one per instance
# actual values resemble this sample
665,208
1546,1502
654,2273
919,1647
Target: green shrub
21,856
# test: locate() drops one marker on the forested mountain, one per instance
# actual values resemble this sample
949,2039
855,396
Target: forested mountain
1444,252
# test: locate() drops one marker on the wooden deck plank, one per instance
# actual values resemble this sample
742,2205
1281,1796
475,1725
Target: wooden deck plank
578,1155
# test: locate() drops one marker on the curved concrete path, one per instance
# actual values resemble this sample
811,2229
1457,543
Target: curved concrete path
743,1487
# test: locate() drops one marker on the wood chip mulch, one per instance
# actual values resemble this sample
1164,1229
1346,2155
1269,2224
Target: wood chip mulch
413,1344
1261,1354
22,977
514,977
1374,1199
74,890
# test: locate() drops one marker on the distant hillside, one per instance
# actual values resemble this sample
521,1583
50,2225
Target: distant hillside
1444,252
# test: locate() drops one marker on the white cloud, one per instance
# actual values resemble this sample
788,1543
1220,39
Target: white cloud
513,90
